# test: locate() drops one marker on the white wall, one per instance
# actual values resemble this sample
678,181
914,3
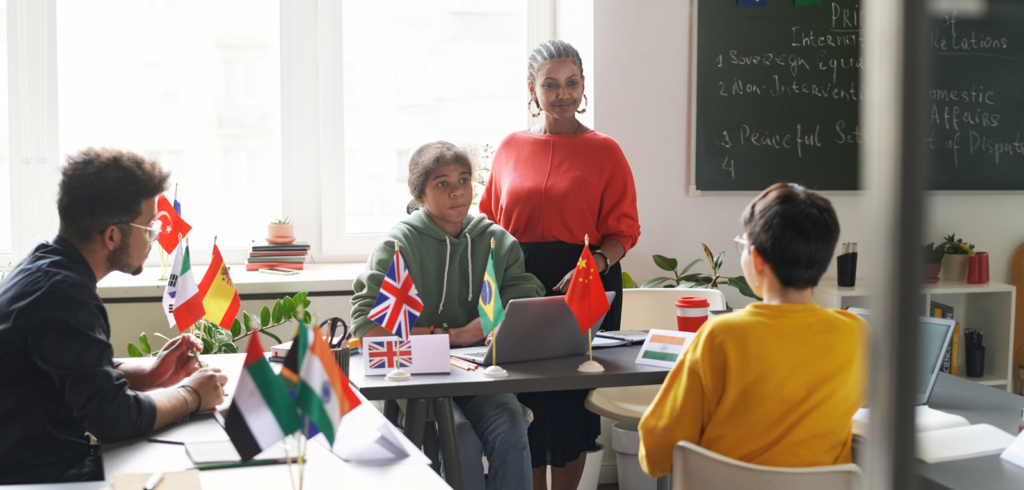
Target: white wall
642,59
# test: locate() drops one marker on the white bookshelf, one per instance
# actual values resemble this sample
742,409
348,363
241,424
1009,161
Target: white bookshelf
986,307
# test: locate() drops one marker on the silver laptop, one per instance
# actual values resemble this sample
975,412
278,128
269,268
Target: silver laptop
534,328
934,336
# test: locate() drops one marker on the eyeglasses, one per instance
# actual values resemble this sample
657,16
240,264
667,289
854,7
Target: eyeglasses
153,230
741,244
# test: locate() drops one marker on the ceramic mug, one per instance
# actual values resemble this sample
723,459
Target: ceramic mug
977,268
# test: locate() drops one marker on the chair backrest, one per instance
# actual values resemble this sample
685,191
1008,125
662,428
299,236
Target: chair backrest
644,309
696,468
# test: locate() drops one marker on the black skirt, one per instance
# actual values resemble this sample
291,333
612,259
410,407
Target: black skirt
562,427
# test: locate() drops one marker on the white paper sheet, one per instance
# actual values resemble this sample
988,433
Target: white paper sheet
936,446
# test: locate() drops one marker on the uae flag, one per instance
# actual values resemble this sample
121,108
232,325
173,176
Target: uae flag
261,413
188,303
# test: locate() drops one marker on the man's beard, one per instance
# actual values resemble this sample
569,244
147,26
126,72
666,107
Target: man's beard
119,260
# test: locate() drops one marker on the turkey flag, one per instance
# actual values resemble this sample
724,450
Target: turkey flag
171,224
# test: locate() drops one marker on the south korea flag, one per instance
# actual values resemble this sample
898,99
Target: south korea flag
172,288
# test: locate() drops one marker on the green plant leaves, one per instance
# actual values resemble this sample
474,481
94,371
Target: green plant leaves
740,283
287,308
300,299
707,251
144,344
162,336
207,345
718,261
307,317
275,337
229,348
265,316
627,281
665,263
654,282
687,268
276,313
133,351
246,322
236,329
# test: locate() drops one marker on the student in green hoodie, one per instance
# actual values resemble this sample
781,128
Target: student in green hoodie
446,251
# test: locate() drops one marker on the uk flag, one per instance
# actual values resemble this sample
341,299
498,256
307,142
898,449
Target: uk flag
382,354
398,304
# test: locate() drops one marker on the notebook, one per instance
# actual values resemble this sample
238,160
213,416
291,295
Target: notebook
972,441
925,419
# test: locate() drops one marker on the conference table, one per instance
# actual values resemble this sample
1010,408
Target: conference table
429,396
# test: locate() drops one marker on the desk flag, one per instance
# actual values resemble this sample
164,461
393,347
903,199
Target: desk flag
324,394
188,303
261,413
491,311
171,291
398,303
171,224
586,296
220,298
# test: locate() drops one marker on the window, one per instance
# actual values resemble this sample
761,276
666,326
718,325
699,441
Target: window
420,71
194,84
5,160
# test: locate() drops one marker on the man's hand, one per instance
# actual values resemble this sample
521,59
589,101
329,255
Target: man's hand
468,335
210,384
175,362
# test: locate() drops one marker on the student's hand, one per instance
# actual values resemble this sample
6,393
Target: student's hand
468,335
175,361
563,285
209,382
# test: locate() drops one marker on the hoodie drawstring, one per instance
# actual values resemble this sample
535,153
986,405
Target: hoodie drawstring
469,252
444,287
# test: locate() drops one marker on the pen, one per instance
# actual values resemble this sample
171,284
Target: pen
460,366
153,481
463,364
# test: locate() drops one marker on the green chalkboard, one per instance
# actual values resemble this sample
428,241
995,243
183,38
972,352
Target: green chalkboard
777,92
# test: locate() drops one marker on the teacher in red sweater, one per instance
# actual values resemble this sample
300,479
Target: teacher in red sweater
549,187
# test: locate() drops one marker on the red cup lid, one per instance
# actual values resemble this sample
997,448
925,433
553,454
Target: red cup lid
691,302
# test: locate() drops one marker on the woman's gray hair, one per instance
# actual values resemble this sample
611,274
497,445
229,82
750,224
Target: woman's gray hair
429,157
552,50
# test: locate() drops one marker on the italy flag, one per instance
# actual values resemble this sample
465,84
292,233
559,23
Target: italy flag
324,394
188,303
261,413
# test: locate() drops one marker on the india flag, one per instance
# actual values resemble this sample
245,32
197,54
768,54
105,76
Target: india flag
188,303
324,394
666,348
261,413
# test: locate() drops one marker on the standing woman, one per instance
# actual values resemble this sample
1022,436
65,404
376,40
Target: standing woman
549,187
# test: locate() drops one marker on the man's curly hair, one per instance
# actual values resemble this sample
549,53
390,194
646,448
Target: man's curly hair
101,187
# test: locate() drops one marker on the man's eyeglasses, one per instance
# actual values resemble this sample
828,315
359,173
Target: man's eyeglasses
741,244
153,230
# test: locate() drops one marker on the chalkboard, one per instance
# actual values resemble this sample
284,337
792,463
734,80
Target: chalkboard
777,91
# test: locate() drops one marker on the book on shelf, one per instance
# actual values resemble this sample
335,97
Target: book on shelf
277,259
279,253
951,359
297,246
295,266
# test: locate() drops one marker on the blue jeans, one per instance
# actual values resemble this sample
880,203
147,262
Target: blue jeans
493,425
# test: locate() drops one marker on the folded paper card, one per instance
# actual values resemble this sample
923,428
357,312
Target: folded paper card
421,354
1014,453
925,419
663,348
936,446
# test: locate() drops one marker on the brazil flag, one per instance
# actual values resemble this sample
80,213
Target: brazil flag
491,311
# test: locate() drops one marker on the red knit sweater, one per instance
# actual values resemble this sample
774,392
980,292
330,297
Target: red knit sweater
560,187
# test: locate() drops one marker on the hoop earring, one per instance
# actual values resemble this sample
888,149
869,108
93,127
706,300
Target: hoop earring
530,110
585,102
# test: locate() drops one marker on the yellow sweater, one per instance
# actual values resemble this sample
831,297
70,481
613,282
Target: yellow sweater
773,385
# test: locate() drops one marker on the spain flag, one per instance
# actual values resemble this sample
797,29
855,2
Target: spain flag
220,298
491,311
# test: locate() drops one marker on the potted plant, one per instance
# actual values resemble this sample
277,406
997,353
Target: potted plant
698,280
933,262
957,255
280,232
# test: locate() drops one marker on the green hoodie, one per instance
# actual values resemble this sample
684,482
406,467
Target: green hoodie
448,271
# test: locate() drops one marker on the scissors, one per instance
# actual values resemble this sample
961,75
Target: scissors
335,321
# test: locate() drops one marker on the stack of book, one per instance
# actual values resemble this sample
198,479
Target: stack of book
281,256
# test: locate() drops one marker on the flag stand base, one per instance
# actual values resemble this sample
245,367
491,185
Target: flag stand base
398,375
591,367
495,372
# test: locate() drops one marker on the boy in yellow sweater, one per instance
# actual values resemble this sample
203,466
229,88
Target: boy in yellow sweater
776,383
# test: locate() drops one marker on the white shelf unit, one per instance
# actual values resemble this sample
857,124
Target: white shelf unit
986,307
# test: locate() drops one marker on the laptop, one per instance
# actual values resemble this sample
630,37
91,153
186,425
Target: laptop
934,336
534,328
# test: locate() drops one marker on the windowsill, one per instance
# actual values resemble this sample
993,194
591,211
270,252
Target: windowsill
316,278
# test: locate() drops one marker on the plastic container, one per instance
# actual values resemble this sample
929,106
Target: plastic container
626,443
691,313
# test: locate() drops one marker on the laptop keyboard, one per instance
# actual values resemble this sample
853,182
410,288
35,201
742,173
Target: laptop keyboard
475,354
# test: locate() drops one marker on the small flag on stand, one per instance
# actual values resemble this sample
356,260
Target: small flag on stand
172,227
261,413
324,394
491,311
188,303
398,303
586,296
383,354
220,298
171,291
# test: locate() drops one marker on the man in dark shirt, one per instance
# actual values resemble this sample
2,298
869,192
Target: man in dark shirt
59,379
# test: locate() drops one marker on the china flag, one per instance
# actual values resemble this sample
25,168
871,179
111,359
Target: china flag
220,298
171,224
586,296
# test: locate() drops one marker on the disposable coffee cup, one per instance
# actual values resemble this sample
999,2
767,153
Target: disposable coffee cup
691,313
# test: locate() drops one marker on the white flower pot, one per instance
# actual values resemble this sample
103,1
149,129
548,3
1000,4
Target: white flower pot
954,267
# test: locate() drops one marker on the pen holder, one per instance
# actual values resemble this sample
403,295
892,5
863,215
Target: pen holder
976,362
846,266
341,356
977,268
